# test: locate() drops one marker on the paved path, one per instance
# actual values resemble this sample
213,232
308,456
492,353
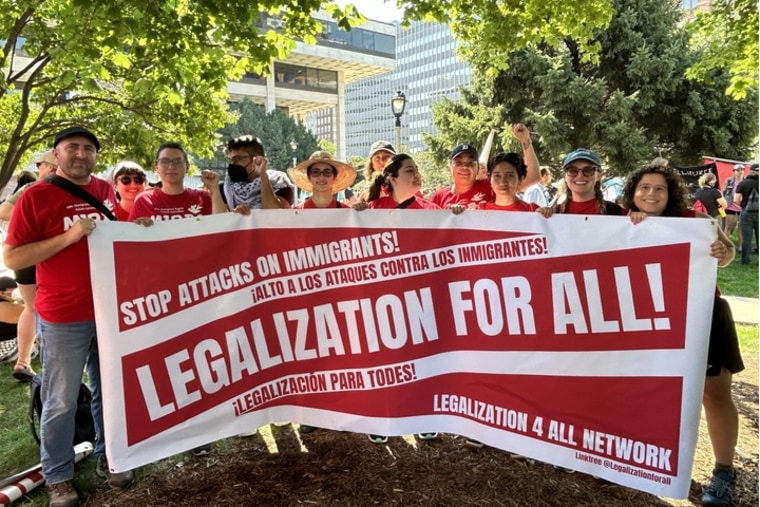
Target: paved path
745,310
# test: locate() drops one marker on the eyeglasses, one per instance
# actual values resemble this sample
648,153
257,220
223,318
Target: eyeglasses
170,162
587,171
127,180
239,159
472,164
316,173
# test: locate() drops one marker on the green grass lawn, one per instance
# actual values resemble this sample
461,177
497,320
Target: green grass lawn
739,280
748,337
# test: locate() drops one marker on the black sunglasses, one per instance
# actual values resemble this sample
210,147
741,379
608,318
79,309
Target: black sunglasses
126,180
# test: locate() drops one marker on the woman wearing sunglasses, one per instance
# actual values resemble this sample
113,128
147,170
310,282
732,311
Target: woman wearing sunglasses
128,182
583,187
324,177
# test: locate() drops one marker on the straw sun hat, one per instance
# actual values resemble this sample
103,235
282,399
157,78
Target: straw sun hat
343,179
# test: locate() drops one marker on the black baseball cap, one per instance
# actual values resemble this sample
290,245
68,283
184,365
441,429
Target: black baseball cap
464,148
76,131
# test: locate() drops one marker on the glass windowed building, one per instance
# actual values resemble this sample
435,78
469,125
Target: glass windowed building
427,68
314,77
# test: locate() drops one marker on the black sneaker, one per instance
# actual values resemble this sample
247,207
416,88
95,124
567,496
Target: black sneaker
720,492
116,480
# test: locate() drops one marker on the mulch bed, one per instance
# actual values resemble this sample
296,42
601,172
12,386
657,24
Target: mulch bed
328,468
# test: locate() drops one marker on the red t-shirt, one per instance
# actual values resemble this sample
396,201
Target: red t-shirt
518,205
590,208
122,215
309,204
161,206
582,208
388,203
475,198
64,289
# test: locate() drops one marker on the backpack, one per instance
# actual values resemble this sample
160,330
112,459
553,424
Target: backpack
698,206
84,427
752,204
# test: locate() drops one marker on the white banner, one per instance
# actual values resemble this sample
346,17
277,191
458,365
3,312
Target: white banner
575,340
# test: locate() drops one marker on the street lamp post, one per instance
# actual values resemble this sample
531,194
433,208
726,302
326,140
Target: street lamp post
294,147
398,103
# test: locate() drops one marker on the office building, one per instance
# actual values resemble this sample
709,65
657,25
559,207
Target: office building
427,69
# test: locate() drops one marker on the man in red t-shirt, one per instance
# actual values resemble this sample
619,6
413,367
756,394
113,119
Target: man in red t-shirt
172,201
472,193
48,229
466,191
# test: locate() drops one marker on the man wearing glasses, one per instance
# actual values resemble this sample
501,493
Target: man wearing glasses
172,201
247,172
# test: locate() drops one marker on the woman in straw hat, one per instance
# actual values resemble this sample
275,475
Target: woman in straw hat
324,177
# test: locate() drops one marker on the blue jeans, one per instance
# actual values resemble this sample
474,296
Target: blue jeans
748,226
66,349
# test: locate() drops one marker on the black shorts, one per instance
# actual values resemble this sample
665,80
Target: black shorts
723,350
732,212
26,276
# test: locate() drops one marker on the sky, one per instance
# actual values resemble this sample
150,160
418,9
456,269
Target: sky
379,10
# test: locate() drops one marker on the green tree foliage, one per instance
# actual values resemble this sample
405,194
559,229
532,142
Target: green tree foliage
137,73
492,30
275,129
435,175
727,37
635,98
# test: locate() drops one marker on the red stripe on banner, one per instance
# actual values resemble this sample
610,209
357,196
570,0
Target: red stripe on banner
633,299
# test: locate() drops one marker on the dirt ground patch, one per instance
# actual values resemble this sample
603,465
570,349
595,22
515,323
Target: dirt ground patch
326,468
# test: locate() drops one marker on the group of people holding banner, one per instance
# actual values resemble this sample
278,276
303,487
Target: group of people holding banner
655,190
52,220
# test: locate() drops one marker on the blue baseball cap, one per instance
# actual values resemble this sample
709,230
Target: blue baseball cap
582,154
